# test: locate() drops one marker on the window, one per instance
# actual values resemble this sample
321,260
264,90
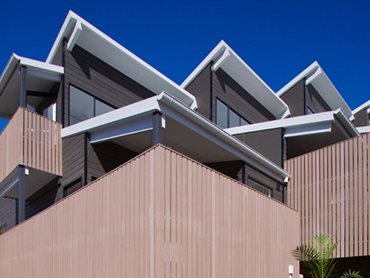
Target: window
84,106
226,117
72,187
259,187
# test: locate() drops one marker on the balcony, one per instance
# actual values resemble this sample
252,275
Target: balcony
30,155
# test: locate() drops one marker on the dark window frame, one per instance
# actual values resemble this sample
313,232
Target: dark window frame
241,118
71,184
259,185
87,93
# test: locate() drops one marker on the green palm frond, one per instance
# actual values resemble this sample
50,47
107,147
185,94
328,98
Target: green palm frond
351,274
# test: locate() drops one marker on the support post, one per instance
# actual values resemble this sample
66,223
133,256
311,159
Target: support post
21,200
23,89
157,128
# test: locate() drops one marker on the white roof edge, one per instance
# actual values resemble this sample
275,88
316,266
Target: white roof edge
15,60
363,129
312,119
305,73
366,104
76,19
224,52
313,73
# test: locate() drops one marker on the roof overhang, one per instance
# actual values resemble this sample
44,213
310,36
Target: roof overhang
365,105
363,129
78,31
41,76
137,119
316,77
226,59
302,125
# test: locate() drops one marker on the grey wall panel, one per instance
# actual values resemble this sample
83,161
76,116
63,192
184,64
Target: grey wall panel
233,95
314,101
294,98
88,73
104,157
268,143
361,118
8,213
201,89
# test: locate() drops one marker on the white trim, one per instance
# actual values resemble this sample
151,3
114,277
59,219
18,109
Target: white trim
317,77
363,129
37,68
227,59
80,32
362,106
198,122
302,125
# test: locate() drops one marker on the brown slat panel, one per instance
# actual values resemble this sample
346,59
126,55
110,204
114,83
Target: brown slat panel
334,194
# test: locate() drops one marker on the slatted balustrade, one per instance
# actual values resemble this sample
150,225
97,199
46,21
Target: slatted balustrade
330,188
31,140
159,215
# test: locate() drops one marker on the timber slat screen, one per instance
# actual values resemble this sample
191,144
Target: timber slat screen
330,188
159,215
31,140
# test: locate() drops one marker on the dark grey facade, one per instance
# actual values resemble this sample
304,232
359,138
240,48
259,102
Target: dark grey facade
362,118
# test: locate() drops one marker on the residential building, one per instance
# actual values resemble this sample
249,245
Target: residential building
108,168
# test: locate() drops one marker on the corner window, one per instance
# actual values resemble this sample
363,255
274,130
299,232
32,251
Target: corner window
72,187
226,117
259,187
84,106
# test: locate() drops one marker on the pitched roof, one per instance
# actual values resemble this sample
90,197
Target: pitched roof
315,75
80,32
362,106
226,58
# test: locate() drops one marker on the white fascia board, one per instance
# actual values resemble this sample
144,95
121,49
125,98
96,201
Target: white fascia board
246,153
213,55
363,129
127,112
321,82
312,119
325,127
362,106
227,59
304,74
35,68
105,48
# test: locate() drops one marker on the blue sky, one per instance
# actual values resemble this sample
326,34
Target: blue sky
278,39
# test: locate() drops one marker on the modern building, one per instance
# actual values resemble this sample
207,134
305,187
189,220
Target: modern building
108,168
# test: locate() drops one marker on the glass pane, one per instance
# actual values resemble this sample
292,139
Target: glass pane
221,117
243,122
81,106
101,108
234,119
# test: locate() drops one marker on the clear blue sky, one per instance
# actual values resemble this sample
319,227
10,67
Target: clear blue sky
277,39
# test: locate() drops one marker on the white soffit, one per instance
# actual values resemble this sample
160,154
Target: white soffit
363,106
226,59
80,32
34,67
301,125
316,76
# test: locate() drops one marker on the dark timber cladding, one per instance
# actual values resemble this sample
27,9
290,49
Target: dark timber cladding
88,73
300,98
269,143
209,86
361,118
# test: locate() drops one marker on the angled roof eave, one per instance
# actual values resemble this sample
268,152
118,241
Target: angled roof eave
316,76
16,60
80,32
227,59
147,106
362,106
314,121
